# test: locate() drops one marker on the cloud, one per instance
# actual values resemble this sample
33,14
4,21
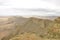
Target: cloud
24,12
29,4
29,7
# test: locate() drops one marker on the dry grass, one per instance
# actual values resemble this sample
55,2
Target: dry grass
29,36
26,36
46,28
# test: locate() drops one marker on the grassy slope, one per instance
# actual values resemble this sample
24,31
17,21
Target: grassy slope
37,26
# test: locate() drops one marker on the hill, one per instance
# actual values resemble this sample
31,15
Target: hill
16,25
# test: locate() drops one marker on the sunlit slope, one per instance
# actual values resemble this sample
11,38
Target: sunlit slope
44,28
54,32
7,26
36,25
26,36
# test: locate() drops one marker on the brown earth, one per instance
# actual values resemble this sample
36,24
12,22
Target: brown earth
11,26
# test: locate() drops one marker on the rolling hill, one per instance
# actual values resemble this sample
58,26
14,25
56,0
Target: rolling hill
15,25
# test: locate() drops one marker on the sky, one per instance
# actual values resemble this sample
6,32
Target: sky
29,7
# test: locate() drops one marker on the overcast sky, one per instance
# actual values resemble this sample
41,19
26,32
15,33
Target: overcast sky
29,7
